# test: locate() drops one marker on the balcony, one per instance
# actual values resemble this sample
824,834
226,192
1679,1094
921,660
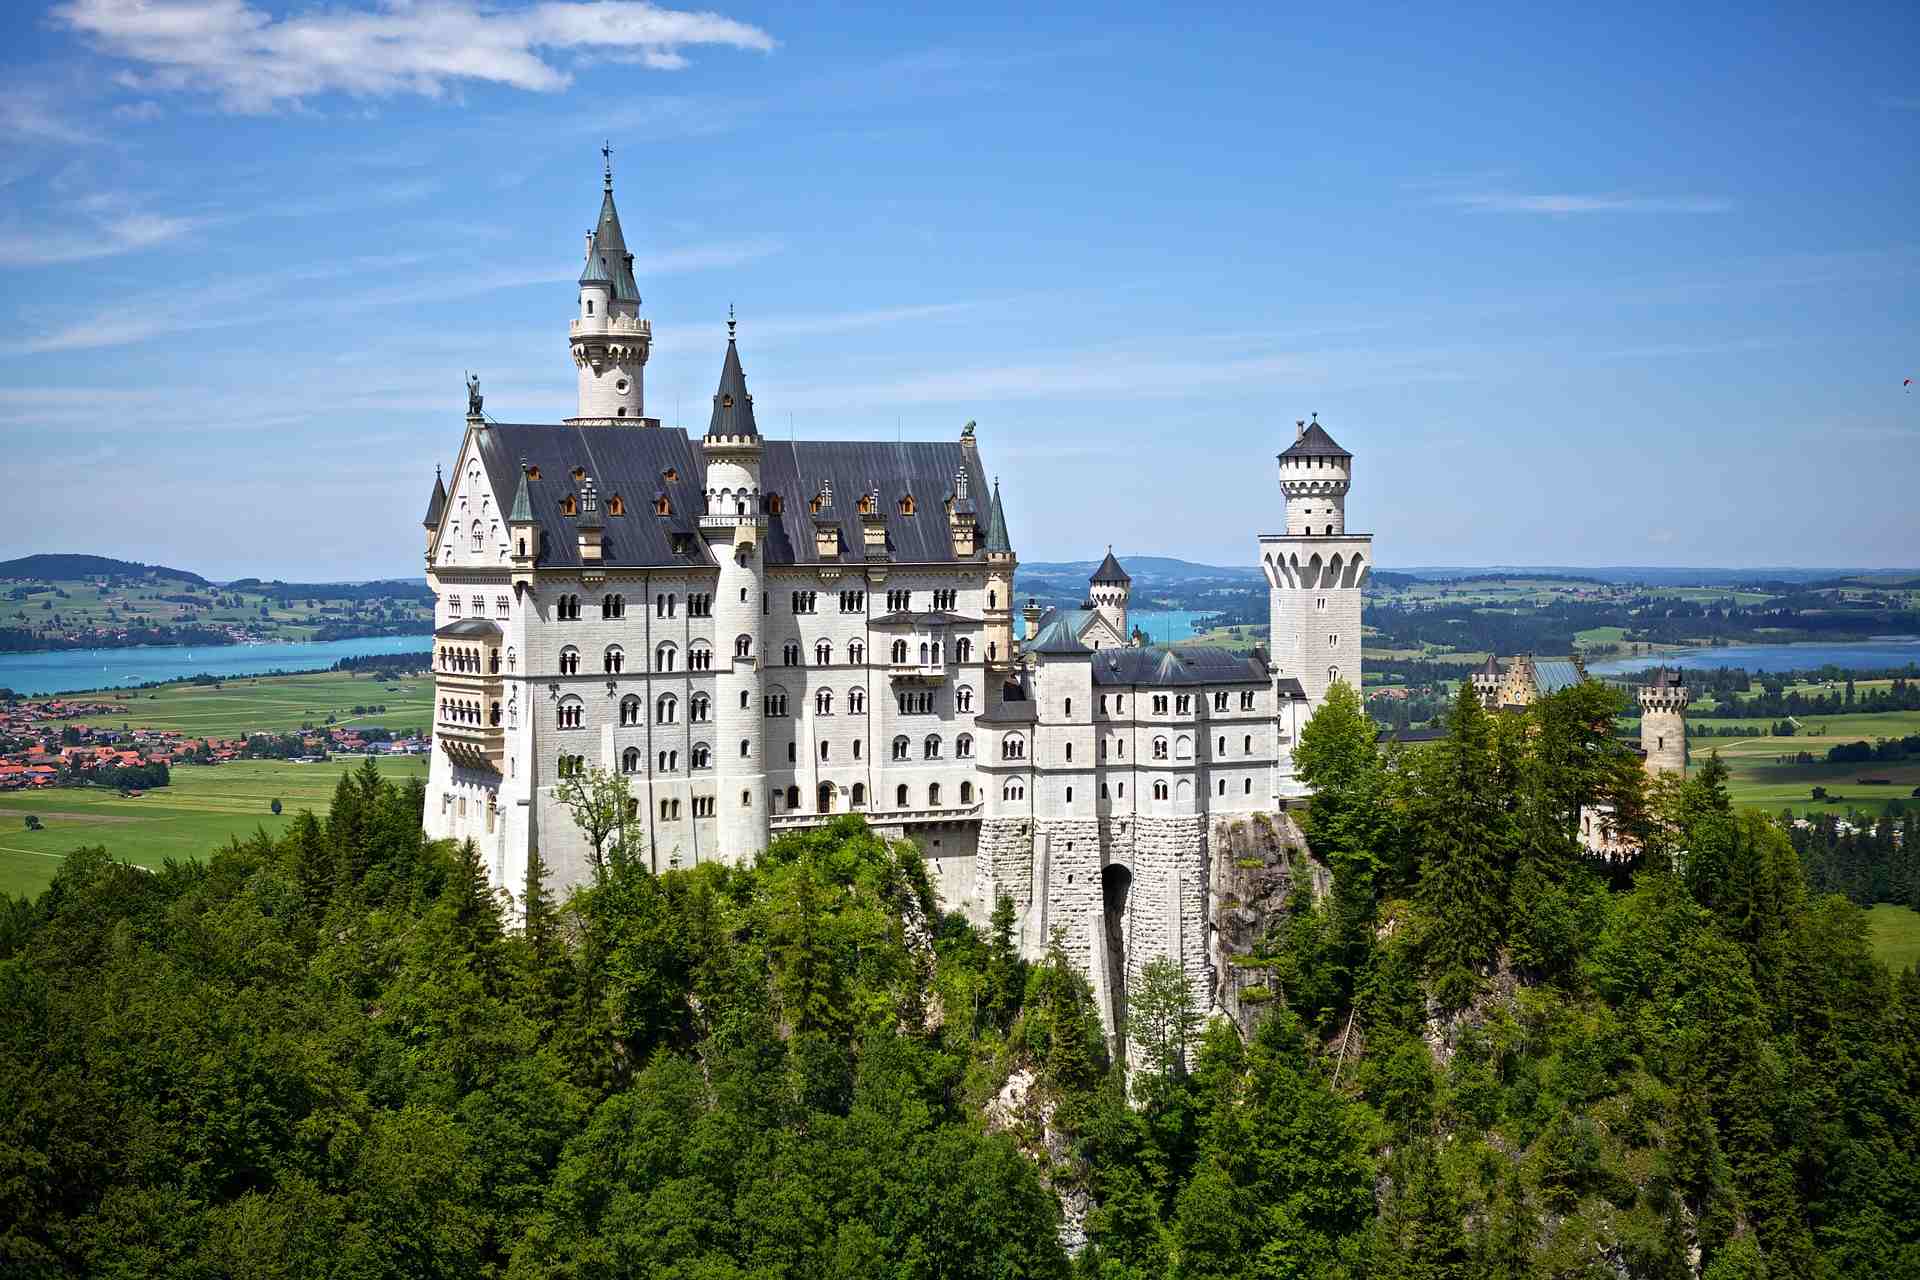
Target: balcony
474,746
880,817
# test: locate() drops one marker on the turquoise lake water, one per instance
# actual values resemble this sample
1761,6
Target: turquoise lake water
71,669
1164,626
1865,655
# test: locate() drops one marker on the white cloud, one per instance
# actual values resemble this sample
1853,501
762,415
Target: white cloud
119,233
1513,202
30,116
252,62
138,112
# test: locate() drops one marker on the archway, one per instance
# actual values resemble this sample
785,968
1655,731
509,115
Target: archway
826,797
1116,887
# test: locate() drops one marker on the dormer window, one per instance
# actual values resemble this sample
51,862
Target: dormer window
670,475
866,504
906,505
726,401
568,506
662,505
579,474
774,505
533,473
616,506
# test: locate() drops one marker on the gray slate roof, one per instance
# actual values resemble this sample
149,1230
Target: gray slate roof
1110,572
437,504
1198,665
1314,442
633,461
469,629
732,406
607,256
1057,638
997,539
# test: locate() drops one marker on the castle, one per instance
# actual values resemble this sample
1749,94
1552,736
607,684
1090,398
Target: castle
762,635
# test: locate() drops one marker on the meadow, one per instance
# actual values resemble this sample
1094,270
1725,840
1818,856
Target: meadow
1896,934
273,704
203,808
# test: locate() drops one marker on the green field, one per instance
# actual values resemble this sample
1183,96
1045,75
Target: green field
199,812
1896,934
84,604
272,704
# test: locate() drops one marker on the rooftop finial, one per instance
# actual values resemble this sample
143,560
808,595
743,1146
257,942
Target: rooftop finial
730,322
606,155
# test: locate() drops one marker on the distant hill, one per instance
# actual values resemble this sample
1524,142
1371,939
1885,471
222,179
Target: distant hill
69,568
1158,568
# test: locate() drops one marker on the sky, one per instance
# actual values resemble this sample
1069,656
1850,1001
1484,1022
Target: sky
1577,286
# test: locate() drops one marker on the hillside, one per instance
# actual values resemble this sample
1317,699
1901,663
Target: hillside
74,568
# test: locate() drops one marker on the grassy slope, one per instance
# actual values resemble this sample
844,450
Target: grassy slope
200,811
1896,934
273,704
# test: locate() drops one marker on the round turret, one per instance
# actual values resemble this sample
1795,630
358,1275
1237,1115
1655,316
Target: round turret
1315,475
609,340
1663,722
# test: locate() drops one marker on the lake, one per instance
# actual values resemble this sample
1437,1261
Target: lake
73,669
1863,655
1165,626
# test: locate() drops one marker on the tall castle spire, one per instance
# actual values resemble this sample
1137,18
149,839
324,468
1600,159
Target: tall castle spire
610,341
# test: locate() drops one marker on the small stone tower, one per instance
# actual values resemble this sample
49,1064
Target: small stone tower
1001,563
735,532
610,341
1663,723
1109,591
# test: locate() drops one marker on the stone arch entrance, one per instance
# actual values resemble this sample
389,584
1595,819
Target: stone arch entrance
825,797
1116,891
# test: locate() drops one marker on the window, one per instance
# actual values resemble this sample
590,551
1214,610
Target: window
1069,753
664,605
963,747
793,798
1333,640
823,703
1103,748
567,608
703,806
662,504
1159,748
793,753
790,654
966,793
1220,700
1320,604
1223,786
702,756
1223,744
664,656
1013,747
454,606
853,602
899,651
859,795
1013,790
501,606
613,660
1069,795
666,708
1246,744
746,797
1160,791
669,809
804,601
1159,704
630,760
479,537
617,505
823,654
571,766
963,650
746,753
613,606
963,698
630,710
933,795
571,713
1246,699
775,703
1248,788
479,606
857,652
901,747
914,702
698,708
1183,704
1069,708
826,750
700,606
906,504
774,505
743,647
1333,675
569,661
856,748
899,601
932,747
945,601
1183,748
856,700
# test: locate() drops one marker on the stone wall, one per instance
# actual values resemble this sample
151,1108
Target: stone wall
1254,866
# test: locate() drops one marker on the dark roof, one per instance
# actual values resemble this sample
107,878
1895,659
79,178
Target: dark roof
796,470
997,539
607,258
1666,678
1291,688
1110,571
1314,442
629,461
1058,638
1491,667
732,406
522,512
469,629
1197,665
437,504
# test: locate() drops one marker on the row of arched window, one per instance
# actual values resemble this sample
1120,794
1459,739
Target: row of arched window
826,798
465,660
930,747
700,756
462,711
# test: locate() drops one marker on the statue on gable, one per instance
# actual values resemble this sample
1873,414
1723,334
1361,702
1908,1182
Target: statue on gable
966,432
474,398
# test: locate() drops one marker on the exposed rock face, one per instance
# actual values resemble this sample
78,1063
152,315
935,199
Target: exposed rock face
1255,865
1027,1113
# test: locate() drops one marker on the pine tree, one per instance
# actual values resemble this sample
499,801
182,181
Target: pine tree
1420,1230
1466,839
1006,975
1508,1239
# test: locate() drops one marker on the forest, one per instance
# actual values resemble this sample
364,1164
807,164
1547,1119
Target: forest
1487,1056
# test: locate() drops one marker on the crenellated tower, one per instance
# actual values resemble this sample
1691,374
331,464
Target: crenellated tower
1663,722
609,339
1109,589
735,532
1315,572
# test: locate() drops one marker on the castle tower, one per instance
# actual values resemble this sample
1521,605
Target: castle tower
1001,563
1315,570
1663,722
1110,588
609,339
735,531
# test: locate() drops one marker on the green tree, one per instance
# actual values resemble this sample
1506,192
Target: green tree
1466,838
1162,1017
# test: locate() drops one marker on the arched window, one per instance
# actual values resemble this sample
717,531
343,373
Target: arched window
479,537
702,756
1183,748
932,746
933,795
743,647
1160,789
963,746
923,653
1013,790
630,760
1333,675
856,700
859,800
571,713
666,708
963,650
665,655
856,652
900,796
823,702
569,661
963,698
1159,748
793,798
966,793
823,654
746,749
1013,747
630,710
901,746
899,651
615,659
512,659
699,707
790,653
614,606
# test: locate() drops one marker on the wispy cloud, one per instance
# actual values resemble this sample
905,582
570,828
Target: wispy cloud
252,62
109,235
30,116
1562,203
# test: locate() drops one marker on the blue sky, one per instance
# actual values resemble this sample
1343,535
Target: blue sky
1578,287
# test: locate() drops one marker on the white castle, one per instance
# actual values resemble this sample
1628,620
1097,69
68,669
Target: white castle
763,635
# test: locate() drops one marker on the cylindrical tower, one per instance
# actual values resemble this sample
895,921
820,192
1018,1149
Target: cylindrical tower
1663,723
1315,475
609,340
735,532
1109,589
